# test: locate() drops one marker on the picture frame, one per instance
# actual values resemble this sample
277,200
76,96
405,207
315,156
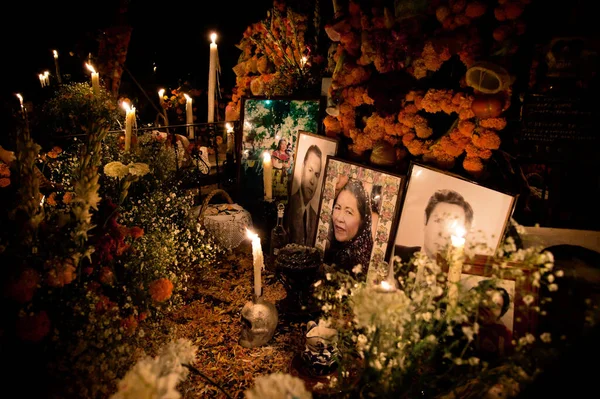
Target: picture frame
343,243
431,212
306,181
266,122
520,317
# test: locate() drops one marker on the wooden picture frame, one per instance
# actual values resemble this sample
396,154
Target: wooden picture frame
338,174
308,172
484,225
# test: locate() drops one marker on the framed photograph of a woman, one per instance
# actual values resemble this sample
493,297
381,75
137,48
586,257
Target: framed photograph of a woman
438,205
311,154
356,214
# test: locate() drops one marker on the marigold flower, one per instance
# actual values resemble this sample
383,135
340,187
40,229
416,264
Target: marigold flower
62,273
332,126
136,232
500,13
475,9
106,275
513,10
407,138
466,128
473,151
4,182
423,130
450,147
161,289
417,147
68,197
24,288
493,123
4,170
473,165
466,114
51,199
445,161
34,327
487,139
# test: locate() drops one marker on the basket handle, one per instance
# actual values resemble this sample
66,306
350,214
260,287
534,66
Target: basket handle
210,196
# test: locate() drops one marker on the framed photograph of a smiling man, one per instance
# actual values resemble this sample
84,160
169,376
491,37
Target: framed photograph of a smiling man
356,214
438,204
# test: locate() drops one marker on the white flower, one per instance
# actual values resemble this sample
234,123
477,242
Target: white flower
357,269
468,331
278,386
528,299
559,273
116,169
550,278
545,337
552,287
139,169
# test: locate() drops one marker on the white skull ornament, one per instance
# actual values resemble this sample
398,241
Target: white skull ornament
259,322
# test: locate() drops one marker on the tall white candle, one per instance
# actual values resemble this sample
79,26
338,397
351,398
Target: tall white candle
258,261
268,175
42,79
47,78
161,99
20,97
95,79
212,78
189,115
129,121
230,138
456,260
58,78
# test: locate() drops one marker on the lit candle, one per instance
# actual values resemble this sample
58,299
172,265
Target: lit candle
257,256
268,175
189,115
56,65
456,260
129,121
42,79
230,139
95,79
161,97
212,78
47,78
20,97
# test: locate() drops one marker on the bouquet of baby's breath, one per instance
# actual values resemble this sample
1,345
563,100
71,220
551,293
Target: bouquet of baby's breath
413,340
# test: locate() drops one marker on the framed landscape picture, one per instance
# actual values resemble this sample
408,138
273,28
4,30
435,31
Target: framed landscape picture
356,214
438,204
305,191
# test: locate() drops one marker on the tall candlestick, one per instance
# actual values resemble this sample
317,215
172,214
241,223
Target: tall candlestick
58,78
257,256
455,260
268,175
129,121
95,79
212,78
189,116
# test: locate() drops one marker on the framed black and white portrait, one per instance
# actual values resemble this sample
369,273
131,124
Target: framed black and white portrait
358,208
305,192
438,205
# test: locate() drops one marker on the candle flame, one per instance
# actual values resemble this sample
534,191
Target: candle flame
266,156
20,97
46,73
91,68
251,235
42,201
229,127
303,61
187,98
213,37
385,285
161,92
55,53
126,106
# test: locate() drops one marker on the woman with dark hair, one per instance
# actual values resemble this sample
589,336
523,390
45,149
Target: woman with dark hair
281,164
350,242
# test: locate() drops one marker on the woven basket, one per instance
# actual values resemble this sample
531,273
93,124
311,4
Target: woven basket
226,222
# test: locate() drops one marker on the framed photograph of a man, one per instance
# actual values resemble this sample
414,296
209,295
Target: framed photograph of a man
438,205
356,215
305,191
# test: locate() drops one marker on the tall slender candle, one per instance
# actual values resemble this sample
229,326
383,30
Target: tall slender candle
268,175
161,97
58,78
95,79
230,139
258,261
129,121
212,78
189,116
456,260
47,78
42,79
20,97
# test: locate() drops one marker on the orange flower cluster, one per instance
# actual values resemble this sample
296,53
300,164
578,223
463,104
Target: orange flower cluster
356,96
459,13
161,289
350,74
61,273
54,152
4,175
431,60
509,13
377,128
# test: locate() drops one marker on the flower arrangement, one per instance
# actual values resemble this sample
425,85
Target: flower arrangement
416,340
276,58
174,104
411,47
